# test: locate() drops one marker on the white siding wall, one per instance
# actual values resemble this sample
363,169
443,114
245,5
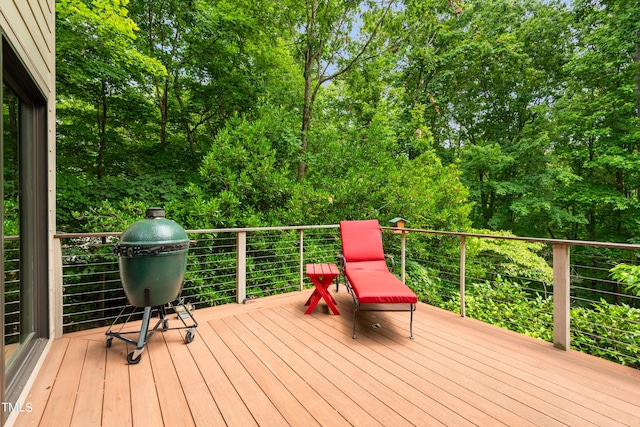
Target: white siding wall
30,26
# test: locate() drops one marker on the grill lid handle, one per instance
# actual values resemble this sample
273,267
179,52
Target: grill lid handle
131,250
154,213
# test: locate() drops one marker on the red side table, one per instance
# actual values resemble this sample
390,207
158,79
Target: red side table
321,276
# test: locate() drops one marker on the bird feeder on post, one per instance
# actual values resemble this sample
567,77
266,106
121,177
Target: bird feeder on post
399,224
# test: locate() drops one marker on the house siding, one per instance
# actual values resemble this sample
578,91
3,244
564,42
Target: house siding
29,25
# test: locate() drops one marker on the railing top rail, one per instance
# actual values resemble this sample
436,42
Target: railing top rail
204,231
79,235
524,239
610,245
281,228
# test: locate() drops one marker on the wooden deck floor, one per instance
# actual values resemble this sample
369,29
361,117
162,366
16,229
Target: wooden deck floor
266,363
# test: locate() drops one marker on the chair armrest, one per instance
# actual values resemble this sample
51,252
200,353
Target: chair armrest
342,262
393,263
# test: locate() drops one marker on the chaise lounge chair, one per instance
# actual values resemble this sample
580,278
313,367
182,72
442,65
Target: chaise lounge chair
367,275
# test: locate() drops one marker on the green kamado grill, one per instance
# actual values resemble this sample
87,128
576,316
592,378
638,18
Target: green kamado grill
152,256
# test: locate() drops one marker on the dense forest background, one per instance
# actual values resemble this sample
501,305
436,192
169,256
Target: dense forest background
516,115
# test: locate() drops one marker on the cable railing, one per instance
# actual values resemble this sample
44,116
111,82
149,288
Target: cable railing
11,291
223,266
559,291
605,314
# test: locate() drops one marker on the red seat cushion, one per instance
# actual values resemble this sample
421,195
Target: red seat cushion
379,287
380,265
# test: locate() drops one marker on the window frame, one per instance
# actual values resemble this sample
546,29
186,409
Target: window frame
33,208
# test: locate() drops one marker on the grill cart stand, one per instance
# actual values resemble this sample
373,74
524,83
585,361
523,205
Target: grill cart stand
145,333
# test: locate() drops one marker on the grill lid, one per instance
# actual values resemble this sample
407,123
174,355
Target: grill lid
153,235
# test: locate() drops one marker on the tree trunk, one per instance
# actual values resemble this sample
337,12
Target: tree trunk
184,117
636,59
307,103
306,121
102,129
316,41
162,94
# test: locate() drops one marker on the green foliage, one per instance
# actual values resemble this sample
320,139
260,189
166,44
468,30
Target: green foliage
605,330
429,193
249,168
124,199
108,34
508,258
113,217
506,304
11,223
502,104
596,122
629,275
426,284
609,331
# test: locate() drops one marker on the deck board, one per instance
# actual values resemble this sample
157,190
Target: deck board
145,406
117,390
267,363
250,391
361,361
280,365
315,371
61,402
229,403
87,410
202,405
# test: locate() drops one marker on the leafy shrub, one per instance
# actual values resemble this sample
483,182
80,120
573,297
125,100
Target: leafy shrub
609,331
629,275
606,330
508,258
508,305
426,284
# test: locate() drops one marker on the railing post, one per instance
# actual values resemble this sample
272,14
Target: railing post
57,283
241,267
403,255
561,296
301,259
463,260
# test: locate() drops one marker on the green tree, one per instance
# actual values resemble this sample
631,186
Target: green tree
103,117
331,38
486,74
247,174
97,60
597,123
221,57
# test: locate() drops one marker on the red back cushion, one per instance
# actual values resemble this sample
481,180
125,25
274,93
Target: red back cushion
361,240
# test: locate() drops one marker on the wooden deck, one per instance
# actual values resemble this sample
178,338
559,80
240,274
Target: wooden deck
266,363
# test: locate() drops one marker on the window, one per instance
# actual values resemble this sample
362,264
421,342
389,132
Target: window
24,213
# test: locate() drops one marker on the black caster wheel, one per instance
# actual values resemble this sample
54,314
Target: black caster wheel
109,340
133,361
189,336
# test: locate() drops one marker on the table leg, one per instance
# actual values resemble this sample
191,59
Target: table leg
320,291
